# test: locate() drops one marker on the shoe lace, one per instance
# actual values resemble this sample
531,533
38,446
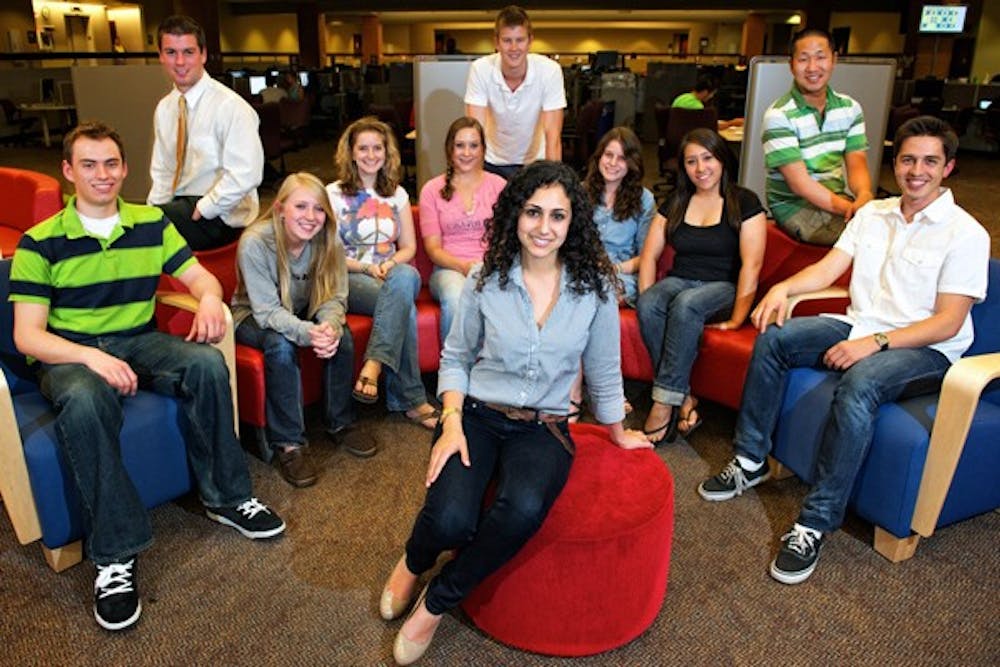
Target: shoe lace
114,578
252,508
734,472
800,539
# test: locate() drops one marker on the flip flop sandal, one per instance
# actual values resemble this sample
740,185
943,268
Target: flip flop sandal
363,397
424,415
693,427
670,425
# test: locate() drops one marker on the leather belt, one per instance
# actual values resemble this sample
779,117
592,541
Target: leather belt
528,415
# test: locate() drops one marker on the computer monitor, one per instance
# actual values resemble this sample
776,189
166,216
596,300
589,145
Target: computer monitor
942,18
258,82
928,88
603,61
985,104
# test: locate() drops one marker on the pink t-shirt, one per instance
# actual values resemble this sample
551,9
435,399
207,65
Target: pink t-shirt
461,231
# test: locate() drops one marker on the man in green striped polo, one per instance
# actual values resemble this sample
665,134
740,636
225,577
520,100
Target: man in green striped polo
815,147
83,284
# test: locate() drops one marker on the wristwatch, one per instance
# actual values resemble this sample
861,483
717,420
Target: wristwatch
882,340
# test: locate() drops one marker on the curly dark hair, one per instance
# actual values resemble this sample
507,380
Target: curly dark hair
582,253
628,199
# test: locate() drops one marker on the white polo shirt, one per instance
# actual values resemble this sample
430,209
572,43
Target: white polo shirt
513,133
900,268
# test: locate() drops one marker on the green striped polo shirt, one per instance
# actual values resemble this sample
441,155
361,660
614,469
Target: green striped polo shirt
98,286
794,131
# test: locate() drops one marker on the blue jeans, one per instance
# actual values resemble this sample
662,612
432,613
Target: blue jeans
88,423
880,378
446,287
283,383
531,467
393,341
672,314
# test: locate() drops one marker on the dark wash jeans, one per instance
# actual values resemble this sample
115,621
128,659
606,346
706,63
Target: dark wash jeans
880,378
531,467
88,423
283,383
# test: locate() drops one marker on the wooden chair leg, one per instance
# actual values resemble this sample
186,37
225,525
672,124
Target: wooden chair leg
896,549
64,557
778,469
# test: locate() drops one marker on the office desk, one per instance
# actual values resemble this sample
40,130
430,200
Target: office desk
43,109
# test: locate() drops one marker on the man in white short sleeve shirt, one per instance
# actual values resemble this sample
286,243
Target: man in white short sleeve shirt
518,97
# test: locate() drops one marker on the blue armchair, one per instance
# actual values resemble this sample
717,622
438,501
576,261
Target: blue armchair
41,500
932,459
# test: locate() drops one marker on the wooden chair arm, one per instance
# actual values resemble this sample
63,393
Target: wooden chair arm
15,486
828,293
960,392
184,301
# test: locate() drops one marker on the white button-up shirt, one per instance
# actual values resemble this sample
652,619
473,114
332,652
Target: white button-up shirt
899,268
224,163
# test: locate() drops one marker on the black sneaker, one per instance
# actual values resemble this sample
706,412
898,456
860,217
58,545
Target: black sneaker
798,556
732,481
252,518
116,600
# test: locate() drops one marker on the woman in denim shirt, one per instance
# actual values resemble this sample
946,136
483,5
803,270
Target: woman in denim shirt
623,209
376,227
542,302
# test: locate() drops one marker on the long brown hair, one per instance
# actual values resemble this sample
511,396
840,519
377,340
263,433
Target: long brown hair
458,124
325,265
389,175
628,198
716,145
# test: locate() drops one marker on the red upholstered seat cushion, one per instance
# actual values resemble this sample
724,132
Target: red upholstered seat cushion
595,574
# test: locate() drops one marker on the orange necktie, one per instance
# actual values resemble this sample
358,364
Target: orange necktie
181,139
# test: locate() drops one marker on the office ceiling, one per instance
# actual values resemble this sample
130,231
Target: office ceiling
561,11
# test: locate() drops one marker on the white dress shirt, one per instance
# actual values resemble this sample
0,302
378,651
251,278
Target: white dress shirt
225,159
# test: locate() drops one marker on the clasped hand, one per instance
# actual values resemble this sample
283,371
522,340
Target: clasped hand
324,340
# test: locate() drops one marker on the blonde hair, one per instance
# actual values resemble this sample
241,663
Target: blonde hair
388,177
327,251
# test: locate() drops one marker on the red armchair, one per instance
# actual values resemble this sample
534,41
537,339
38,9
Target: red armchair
28,198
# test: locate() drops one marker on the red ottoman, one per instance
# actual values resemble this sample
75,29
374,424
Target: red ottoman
595,574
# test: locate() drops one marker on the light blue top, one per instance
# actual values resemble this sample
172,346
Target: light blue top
623,239
495,352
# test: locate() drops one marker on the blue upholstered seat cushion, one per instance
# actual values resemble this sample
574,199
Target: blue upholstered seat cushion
885,492
153,451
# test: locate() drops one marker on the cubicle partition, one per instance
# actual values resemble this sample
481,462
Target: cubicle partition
439,91
124,97
867,80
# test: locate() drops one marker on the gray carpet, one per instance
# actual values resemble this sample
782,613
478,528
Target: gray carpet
310,597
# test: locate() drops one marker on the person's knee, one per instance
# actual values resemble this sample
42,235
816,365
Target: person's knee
205,365
454,524
523,511
280,350
86,396
404,277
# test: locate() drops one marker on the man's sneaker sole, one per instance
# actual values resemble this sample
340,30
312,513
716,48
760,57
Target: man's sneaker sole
792,577
729,494
252,534
121,625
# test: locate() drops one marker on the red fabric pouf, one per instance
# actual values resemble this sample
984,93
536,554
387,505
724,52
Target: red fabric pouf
595,574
